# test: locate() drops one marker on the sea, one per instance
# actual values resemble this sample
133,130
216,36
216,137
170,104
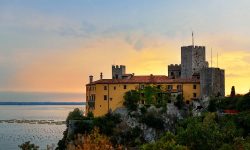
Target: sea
41,123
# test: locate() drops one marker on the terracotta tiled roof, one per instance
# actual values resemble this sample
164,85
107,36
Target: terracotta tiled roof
160,79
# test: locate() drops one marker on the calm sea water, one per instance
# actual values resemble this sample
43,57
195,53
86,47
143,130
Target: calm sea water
14,134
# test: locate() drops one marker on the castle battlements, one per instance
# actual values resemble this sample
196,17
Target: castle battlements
118,66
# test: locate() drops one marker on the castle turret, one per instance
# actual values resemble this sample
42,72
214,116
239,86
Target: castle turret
193,59
174,71
118,71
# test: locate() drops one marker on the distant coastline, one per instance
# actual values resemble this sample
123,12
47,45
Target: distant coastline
42,103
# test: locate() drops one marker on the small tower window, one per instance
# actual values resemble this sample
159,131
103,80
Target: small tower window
105,88
124,86
194,86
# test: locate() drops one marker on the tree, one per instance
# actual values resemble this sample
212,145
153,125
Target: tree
28,146
244,102
232,92
151,94
131,99
179,101
212,105
76,114
92,141
168,142
200,133
107,123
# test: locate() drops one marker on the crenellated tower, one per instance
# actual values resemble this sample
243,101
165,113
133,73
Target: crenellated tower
118,71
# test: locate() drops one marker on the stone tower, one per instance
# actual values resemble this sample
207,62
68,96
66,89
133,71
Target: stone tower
193,59
212,82
174,71
118,71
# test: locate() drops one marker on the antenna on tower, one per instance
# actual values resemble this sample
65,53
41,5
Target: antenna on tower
192,38
211,57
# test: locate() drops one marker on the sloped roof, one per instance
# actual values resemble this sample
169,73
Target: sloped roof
146,79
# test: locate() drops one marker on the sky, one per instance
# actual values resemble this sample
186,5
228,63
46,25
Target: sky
53,46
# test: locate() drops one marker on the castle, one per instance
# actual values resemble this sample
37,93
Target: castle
193,79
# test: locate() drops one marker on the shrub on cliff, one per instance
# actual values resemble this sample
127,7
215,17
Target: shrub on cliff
152,121
107,123
168,142
131,99
76,114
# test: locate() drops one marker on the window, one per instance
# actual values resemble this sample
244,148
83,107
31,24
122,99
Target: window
170,87
110,99
116,76
179,87
194,95
87,98
142,87
114,87
194,86
158,86
105,97
124,86
172,73
105,87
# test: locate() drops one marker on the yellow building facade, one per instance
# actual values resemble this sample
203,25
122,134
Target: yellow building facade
107,94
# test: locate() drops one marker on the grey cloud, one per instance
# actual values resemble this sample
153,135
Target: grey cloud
85,29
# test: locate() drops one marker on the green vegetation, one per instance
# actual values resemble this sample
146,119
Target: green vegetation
85,125
131,99
166,142
150,95
237,102
152,120
210,131
179,101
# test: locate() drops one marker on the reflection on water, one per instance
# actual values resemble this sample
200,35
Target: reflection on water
13,134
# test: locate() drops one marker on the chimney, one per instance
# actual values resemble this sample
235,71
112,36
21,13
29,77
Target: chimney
90,79
101,76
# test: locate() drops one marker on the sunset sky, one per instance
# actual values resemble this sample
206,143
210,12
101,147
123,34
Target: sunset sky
54,45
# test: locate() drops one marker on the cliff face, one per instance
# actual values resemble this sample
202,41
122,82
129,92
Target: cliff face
132,128
151,121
